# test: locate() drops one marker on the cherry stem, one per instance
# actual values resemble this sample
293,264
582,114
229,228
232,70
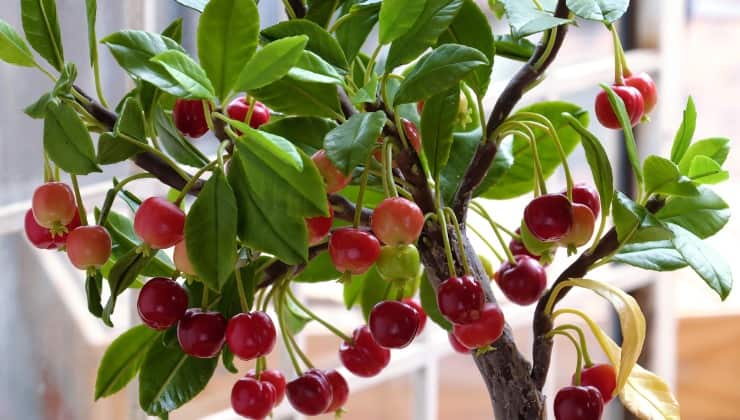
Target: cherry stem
268,297
204,297
48,172
296,347
619,60
371,63
361,194
550,38
98,84
401,285
445,235
207,113
597,237
579,359
286,340
289,9
113,193
582,339
486,242
260,366
240,289
484,213
529,136
461,247
388,166
336,331
191,182
250,111
482,117
171,163
78,198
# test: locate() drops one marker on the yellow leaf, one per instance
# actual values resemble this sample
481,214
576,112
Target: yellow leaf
645,394
631,320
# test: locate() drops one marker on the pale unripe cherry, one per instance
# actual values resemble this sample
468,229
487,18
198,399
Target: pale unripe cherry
89,247
53,205
181,259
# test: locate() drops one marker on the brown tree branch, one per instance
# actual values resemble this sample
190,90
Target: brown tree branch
299,9
542,323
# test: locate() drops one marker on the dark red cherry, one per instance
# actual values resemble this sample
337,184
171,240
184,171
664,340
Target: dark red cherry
252,399
275,378
412,134
189,117
633,102
310,393
517,247
522,282
422,314
319,227
364,356
549,217
339,390
238,110
647,87
39,236
353,250
162,302
251,335
578,403
601,376
587,195
484,331
457,345
393,324
460,299
201,334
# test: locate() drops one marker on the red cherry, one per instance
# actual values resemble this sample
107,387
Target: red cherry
420,107
181,259
239,108
578,403
460,299
273,377
420,310
522,282
159,223
582,230
353,250
250,335
189,117
364,356
647,87
334,178
319,227
484,331
393,324
310,393
549,217
412,134
201,334
587,195
89,247
397,221
162,302
39,236
252,399
457,345
633,102
53,206
517,247
339,390
601,376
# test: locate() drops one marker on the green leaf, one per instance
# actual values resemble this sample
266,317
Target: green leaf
228,31
519,49
93,290
501,164
716,148
37,110
121,229
294,97
174,143
319,269
598,161
663,177
438,71
350,144
705,170
295,319
619,109
270,146
187,73
210,232
319,40
13,49
321,11
368,93
169,378
633,222
230,303
685,133
133,50
312,68
65,83
526,19
131,123
91,11
429,303
434,20
42,31
197,5
706,262
355,27
703,215
67,141
607,11
271,63
398,17
373,291
519,179
112,148
123,359
471,28
437,128
305,132
463,149
121,276
651,255
352,291
227,359
174,30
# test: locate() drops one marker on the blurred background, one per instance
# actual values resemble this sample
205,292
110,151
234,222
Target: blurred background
51,347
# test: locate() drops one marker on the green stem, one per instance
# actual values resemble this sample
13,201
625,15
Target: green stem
171,163
486,242
207,113
551,38
48,172
98,83
78,198
334,330
445,235
388,166
113,193
371,63
482,116
361,194
289,9
286,340
461,247
240,290
618,56
579,360
46,72
339,22
529,136
484,213
204,297
191,182
582,339
250,111
296,347
600,232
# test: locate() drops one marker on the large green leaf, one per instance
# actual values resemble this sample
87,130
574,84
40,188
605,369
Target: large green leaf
519,179
312,68
67,141
703,215
471,28
705,170
122,275
319,40
228,31
705,261
437,15
463,148
210,232
123,359
13,49
620,110
169,378
685,133
634,223
397,17
355,27
520,49
651,255
271,63
42,31
174,143
443,68
296,97
187,73
112,148
305,132
321,11
607,11
350,144
715,148
429,303
526,19
663,177
437,128
319,269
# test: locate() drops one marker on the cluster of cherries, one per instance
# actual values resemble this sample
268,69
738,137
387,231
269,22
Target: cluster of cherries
53,222
586,400
639,94
190,118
